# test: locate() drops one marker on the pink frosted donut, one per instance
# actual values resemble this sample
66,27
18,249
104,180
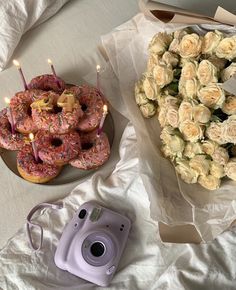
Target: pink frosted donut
47,82
32,171
95,151
7,140
92,102
57,149
57,120
21,111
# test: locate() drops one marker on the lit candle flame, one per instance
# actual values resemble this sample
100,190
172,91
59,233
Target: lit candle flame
31,136
98,68
16,63
105,109
7,100
49,61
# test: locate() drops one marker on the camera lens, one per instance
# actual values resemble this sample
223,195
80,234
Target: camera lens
97,249
82,213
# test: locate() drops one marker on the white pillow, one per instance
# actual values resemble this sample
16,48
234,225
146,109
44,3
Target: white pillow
18,16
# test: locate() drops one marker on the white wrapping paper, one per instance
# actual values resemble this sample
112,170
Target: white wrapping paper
172,201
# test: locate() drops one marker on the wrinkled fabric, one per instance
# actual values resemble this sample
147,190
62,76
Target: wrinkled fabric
19,16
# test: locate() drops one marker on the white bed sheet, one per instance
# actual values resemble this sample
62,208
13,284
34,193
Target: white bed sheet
70,39
146,264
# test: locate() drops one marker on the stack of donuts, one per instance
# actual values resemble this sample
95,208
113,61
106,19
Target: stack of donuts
64,120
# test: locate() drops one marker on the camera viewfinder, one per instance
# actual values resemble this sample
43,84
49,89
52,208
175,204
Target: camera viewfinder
82,213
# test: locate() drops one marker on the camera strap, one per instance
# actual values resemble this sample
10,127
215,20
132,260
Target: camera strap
30,224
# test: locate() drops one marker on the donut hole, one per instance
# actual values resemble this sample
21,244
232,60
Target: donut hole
56,142
57,109
29,111
84,107
87,146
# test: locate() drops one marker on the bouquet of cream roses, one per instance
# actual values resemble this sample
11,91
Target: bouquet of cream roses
183,87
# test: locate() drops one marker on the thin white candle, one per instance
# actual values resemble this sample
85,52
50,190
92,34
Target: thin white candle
98,76
52,68
10,116
105,111
36,156
17,64
54,72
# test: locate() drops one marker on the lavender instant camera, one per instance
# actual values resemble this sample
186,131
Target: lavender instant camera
92,243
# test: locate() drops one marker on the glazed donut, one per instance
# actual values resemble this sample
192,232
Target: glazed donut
7,139
95,151
47,82
92,102
55,119
57,149
21,111
32,171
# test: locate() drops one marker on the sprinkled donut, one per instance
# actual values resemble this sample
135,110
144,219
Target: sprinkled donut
21,111
47,82
32,171
7,140
54,118
57,149
95,151
92,102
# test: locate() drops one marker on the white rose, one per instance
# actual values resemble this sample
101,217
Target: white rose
162,112
219,63
188,174
192,149
176,145
209,182
229,129
217,170
189,70
200,164
212,96
210,41
220,155
153,60
189,88
141,99
172,116
227,48
190,45
150,88
215,132
230,169
167,100
160,42
229,106
165,149
228,72
140,96
174,45
163,75
191,131
207,73
138,88
170,58
201,114
185,111
209,147
148,110
166,134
